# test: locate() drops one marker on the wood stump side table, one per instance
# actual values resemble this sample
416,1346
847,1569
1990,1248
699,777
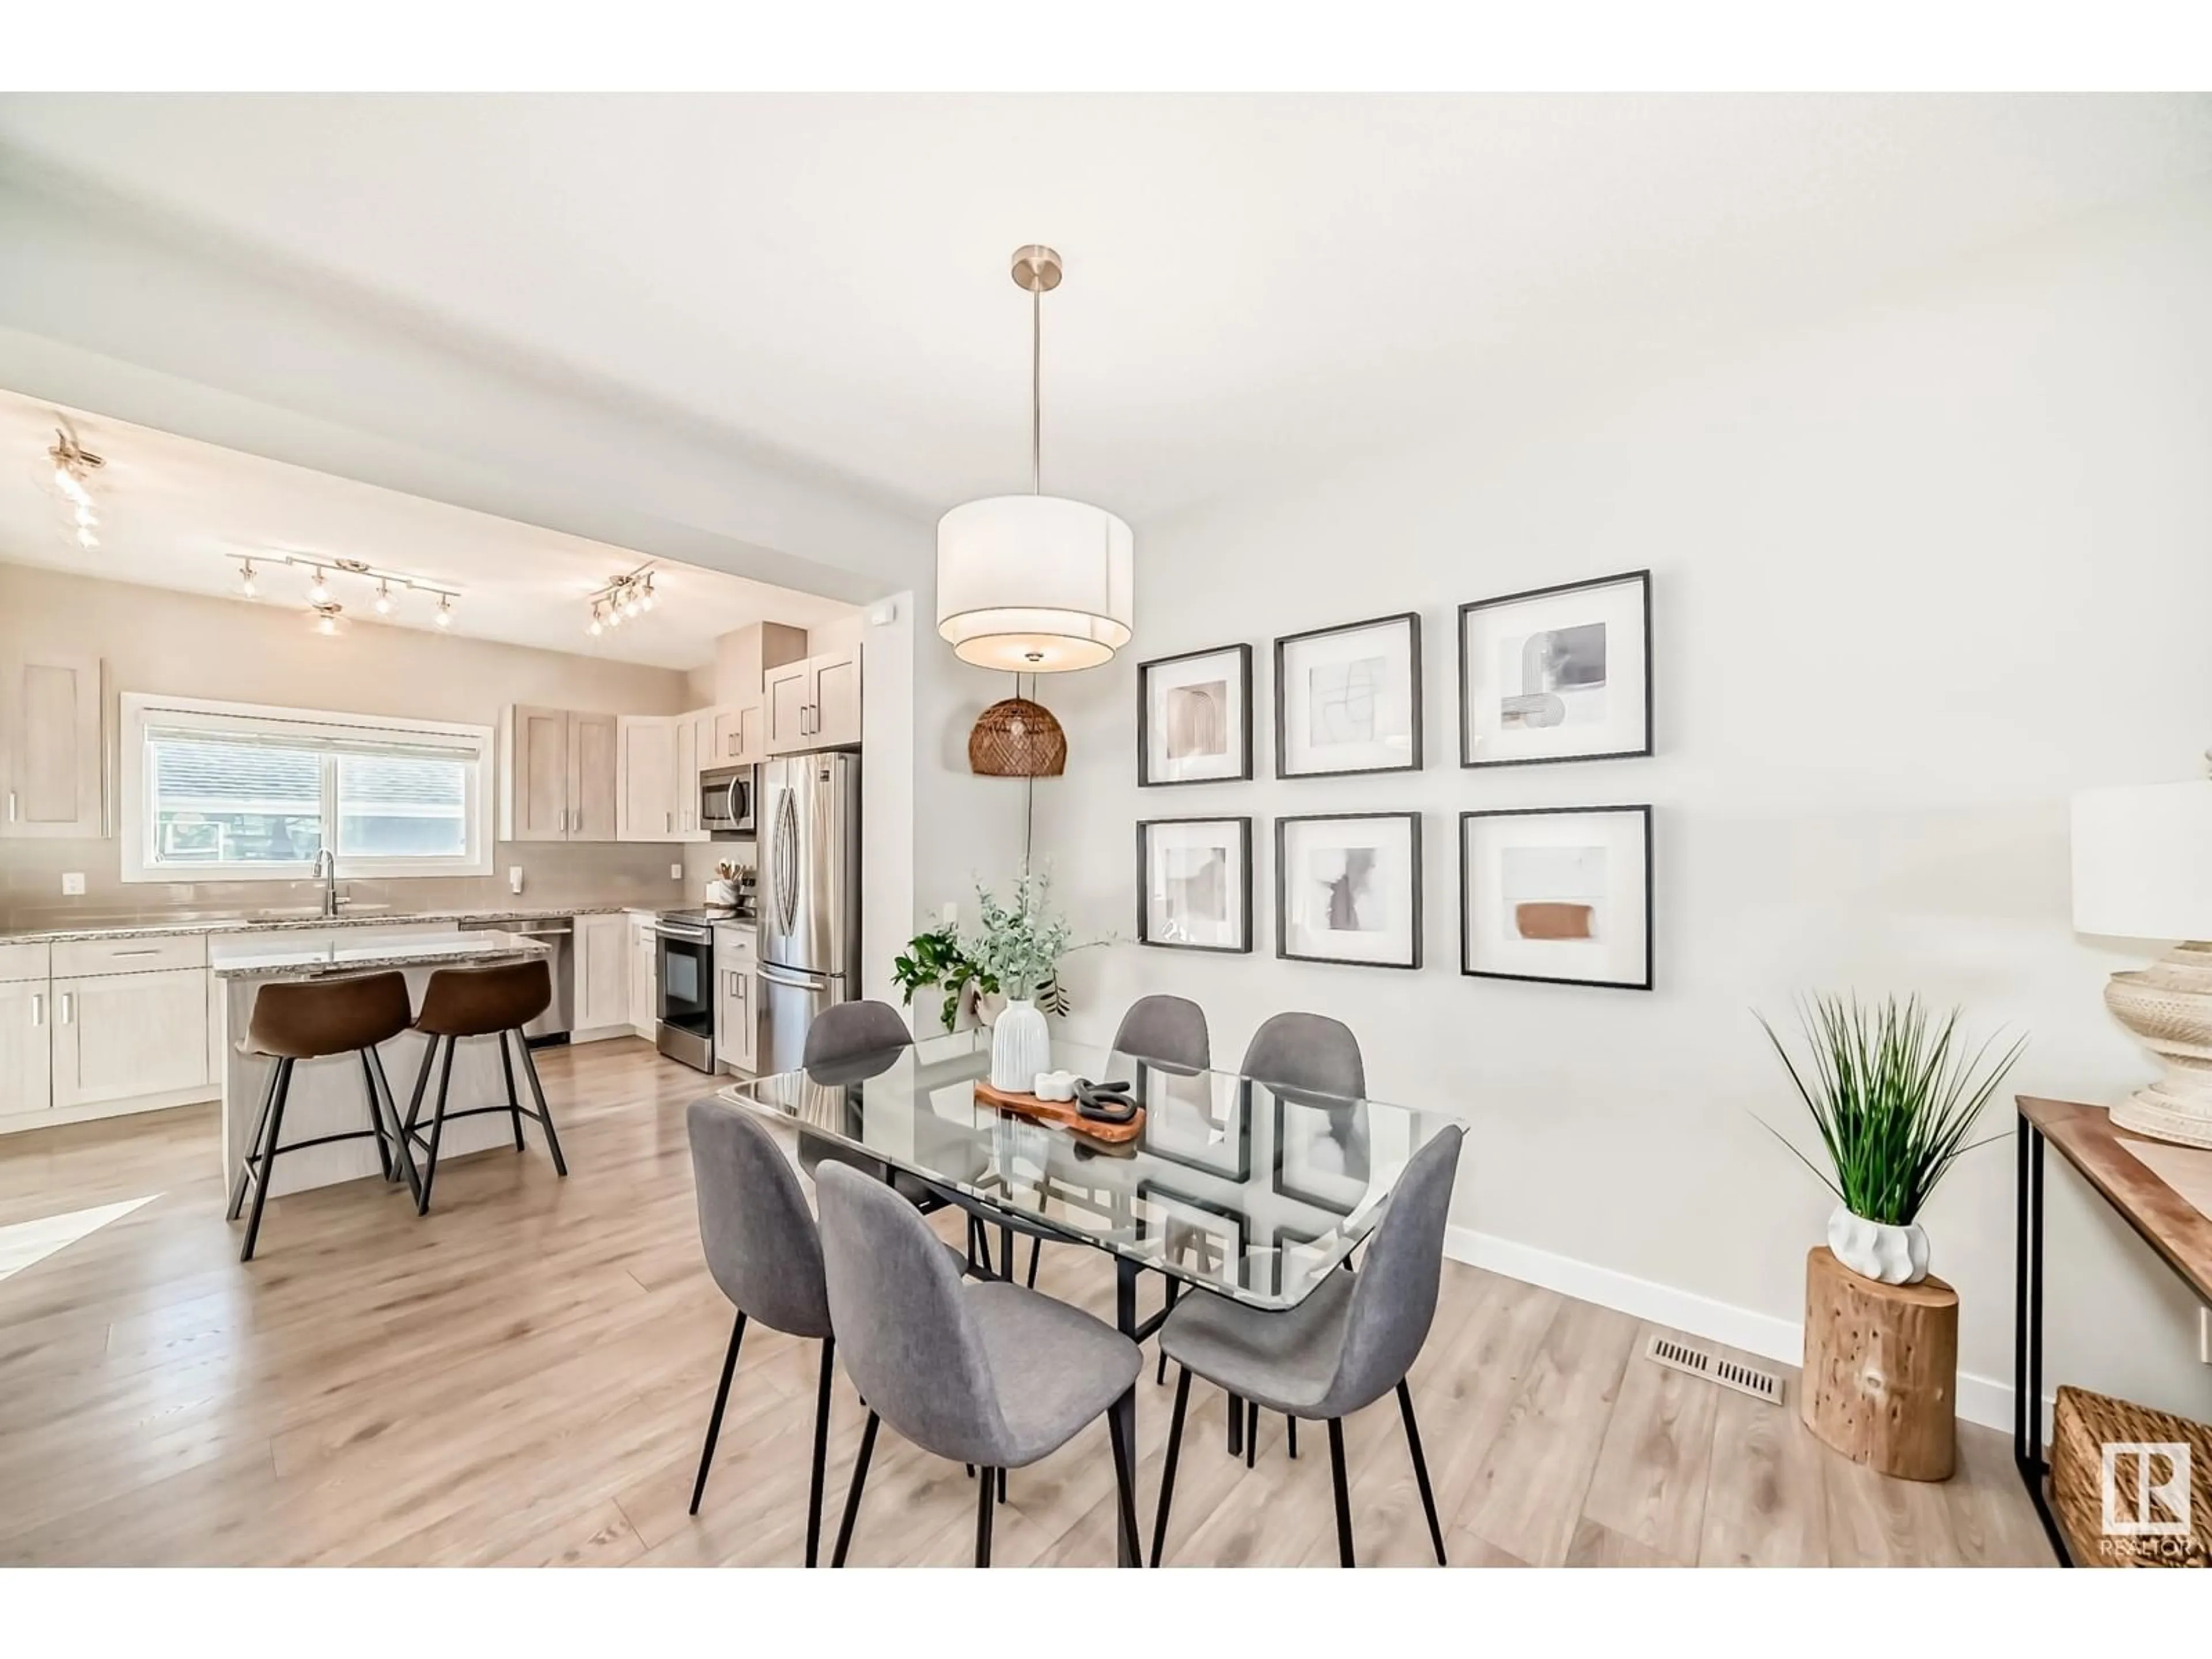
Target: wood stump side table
1881,1370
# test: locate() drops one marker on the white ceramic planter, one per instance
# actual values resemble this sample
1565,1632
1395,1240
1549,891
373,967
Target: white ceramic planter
1021,1047
1876,1250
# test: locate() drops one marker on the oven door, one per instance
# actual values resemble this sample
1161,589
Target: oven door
686,1027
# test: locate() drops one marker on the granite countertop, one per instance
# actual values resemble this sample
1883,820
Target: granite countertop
151,929
248,958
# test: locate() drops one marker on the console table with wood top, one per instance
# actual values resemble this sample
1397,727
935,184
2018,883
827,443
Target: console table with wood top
2162,1218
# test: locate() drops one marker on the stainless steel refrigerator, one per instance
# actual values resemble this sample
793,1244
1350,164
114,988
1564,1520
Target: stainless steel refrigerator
809,897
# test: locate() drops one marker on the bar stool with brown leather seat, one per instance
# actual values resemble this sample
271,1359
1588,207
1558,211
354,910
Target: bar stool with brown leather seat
473,1002
316,1019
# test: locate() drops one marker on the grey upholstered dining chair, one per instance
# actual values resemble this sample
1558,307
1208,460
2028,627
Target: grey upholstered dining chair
1348,1344
765,1251
987,1372
1169,1031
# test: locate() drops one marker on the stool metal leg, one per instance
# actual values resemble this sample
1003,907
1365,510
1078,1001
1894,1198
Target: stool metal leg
437,1128
260,1133
545,1112
376,1120
513,1100
404,1164
268,1156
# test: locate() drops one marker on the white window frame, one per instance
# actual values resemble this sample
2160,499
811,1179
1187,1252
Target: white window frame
142,710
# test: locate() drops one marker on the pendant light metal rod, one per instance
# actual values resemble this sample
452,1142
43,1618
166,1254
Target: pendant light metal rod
1036,391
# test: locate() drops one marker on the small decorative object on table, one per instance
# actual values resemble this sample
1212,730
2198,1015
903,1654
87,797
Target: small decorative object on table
723,889
1895,1095
1069,1114
1019,945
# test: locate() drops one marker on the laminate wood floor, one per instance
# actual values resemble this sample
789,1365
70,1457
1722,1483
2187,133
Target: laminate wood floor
525,1376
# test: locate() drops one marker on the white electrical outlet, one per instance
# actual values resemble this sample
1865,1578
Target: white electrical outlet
514,877
676,872
72,883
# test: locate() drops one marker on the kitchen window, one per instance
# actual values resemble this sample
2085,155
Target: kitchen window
233,792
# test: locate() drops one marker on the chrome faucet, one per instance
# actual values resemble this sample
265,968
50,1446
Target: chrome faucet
326,871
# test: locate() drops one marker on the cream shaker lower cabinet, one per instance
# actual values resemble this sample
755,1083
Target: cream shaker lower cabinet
603,974
737,1006
26,1020
644,975
129,1036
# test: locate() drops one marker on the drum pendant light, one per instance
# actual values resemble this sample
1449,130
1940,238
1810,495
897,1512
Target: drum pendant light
1034,584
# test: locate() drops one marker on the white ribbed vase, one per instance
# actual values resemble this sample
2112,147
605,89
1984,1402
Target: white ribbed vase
1021,1047
1891,1255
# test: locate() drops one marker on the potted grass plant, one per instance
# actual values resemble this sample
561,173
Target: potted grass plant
1894,1093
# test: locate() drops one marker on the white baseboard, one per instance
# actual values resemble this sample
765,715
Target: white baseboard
1981,1399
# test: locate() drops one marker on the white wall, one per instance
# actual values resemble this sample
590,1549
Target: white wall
1918,572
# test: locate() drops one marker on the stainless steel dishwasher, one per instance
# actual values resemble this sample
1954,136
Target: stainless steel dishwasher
558,934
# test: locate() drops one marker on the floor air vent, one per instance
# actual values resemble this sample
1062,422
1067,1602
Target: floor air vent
1672,1350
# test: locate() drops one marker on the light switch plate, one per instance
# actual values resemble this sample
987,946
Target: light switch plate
514,877
676,872
72,883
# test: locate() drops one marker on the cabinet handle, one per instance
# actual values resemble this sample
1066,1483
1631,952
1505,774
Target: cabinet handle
69,1006
670,819
37,1010
151,951
11,806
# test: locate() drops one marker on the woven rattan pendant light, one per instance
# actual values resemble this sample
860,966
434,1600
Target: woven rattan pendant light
1017,739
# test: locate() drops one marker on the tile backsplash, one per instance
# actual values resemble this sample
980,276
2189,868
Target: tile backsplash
31,873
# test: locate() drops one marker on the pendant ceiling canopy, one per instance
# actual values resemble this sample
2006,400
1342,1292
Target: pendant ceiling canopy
1035,583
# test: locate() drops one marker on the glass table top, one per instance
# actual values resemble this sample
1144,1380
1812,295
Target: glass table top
1253,1192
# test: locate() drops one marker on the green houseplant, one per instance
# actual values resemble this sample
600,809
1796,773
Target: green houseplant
1893,1092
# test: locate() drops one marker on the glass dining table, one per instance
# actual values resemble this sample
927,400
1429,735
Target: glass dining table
1231,1186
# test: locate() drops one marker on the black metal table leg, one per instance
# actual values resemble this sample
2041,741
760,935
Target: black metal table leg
2028,1331
1124,1410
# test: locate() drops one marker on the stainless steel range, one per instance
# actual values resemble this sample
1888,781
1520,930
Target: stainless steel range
685,947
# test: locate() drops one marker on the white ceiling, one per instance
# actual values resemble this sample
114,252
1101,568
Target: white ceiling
173,512
1256,286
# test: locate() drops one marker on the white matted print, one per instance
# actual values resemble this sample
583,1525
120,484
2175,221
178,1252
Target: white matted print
1194,884
1349,699
1348,889
1560,673
1562,895
1194,717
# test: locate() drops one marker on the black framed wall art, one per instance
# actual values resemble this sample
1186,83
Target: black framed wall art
1194,717
1348,699
1348,889
1557,673
1560,895
1194,884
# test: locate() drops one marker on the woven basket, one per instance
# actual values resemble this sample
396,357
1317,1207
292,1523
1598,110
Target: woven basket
1017,739
2085,1423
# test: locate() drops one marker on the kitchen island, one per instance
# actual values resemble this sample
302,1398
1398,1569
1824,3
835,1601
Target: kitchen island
327,1096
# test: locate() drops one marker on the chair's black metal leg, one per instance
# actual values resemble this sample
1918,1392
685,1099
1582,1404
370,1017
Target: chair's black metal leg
983,1508
404,1163
437,1128
1160,1376
422,1082
714,1419
253,1146
1125,1489
1235,1427
1343,1491
821,1451
1168,1469
1002,1486
1420,1469
513,1100
268,1156
1006,1253
1124,1410
1251,1435
545,1112
852,1491
1292,1423
376,1118
1036,1249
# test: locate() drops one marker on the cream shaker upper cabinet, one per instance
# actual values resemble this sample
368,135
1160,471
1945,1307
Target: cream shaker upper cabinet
815,703
740,735
53,770
558,772
645,801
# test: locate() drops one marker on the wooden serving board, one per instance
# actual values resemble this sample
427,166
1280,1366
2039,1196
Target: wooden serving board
1062,1114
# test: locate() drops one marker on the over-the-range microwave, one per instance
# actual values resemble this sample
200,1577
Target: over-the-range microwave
725,801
